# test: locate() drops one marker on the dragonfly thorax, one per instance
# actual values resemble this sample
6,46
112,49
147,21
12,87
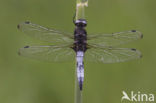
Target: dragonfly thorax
80,36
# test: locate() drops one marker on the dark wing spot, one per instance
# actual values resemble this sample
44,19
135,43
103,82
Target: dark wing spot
27,22
141,36
110,47
26,47
133,49
133,30
18,26
141,56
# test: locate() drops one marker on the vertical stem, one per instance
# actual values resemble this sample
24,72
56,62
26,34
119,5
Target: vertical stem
80,6
80,14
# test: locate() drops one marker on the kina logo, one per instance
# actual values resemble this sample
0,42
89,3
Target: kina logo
137,97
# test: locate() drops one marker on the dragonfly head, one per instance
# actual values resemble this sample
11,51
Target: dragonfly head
81,23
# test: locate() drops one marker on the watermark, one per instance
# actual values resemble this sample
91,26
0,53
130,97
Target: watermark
137,97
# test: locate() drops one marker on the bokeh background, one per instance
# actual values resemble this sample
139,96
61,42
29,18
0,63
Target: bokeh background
23,80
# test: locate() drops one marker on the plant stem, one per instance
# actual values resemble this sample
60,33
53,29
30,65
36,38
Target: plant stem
80,6
80,14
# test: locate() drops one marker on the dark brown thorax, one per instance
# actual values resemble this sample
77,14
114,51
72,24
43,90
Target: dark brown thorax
80,36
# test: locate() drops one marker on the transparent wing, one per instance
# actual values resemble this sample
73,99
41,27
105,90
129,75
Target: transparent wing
45,34
111,55
114,39
48,53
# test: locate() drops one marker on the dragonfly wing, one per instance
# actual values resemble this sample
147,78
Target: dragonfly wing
111,55
48,53
45,34
114,39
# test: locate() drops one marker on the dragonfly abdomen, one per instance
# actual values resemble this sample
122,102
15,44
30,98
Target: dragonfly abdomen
80,68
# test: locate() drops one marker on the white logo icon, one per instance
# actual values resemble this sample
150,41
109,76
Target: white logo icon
125,96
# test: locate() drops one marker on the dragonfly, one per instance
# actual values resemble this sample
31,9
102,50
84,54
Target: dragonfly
102,48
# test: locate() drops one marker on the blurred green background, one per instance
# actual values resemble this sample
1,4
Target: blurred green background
23,80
